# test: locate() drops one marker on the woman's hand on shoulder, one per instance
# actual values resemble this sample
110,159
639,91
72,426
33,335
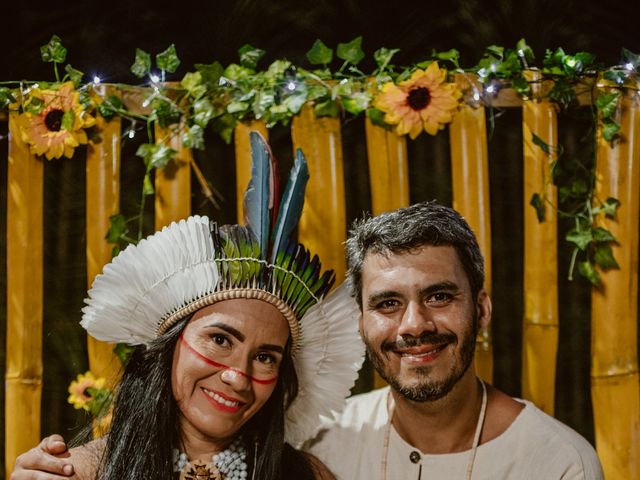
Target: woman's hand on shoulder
320,470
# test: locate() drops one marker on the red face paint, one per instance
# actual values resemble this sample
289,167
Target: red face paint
221,365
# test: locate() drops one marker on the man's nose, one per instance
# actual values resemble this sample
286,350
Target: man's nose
416,320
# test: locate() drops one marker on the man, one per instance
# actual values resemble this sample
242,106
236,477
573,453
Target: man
418,276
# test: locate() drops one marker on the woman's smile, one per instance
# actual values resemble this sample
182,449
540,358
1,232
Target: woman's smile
222,401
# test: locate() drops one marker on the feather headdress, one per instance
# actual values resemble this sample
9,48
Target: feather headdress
188,265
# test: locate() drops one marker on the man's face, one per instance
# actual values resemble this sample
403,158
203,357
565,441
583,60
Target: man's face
419,320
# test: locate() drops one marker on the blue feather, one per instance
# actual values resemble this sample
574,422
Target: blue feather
291,204
259,198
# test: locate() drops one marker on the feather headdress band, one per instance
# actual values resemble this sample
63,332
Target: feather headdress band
188,265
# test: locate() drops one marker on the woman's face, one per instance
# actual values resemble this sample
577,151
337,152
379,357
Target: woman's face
226,365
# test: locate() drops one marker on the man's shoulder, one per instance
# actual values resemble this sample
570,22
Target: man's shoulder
545,437
365,407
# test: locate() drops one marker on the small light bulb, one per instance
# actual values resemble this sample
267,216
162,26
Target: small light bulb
491,89
132,133
476,96
628,66
154,78
291,85
96,80
571,62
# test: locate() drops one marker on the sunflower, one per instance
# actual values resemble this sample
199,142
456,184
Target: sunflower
81,396
424,101
53,122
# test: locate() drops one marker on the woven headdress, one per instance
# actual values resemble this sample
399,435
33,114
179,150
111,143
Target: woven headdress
188,265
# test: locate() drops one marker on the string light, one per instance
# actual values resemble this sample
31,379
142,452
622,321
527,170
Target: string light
154,78
291,85
629,66
476,95
490,89
96,80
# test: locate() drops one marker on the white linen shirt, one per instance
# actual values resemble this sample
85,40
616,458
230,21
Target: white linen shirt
535,446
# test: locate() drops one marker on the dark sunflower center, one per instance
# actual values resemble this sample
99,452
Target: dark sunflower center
419,98
53,120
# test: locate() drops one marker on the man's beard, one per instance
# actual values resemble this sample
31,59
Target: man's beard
426,390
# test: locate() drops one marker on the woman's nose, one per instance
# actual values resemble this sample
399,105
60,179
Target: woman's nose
236,379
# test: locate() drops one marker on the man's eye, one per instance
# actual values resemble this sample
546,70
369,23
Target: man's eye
387,304
440,297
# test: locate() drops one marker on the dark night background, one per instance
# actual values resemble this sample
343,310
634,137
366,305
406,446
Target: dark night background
101,38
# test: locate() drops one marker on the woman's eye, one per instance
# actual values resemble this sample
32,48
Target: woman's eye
266,358
220,339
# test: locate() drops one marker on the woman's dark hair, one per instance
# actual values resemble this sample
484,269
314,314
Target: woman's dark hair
145,425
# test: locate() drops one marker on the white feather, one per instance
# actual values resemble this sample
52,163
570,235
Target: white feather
149,281
327,363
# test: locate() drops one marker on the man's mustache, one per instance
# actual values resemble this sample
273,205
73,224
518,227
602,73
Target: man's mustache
409,341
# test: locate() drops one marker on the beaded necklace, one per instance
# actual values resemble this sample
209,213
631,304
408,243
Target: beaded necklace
476,436
229,464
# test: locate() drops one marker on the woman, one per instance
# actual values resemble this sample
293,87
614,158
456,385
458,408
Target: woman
240,351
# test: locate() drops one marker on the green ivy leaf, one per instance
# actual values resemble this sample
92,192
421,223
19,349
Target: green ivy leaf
617,76
224,125
327,108
250,56
581,238
110,106
142,64
6,97
524,51
123,352
603,256
521,86
629,57
495,51
609,130
168,60
203,112
74,75
452,56
377,118
588,271
210,73
319,54
538,203
610,206
166,113
544,146
602,235
237,72
117,229
68,119
193,137
383,57
351,52
192,83
607,103
356,103
154,155
237,107
53,51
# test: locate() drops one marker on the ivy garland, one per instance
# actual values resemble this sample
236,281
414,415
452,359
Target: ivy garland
218,97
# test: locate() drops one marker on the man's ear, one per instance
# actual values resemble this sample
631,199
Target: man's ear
483,308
